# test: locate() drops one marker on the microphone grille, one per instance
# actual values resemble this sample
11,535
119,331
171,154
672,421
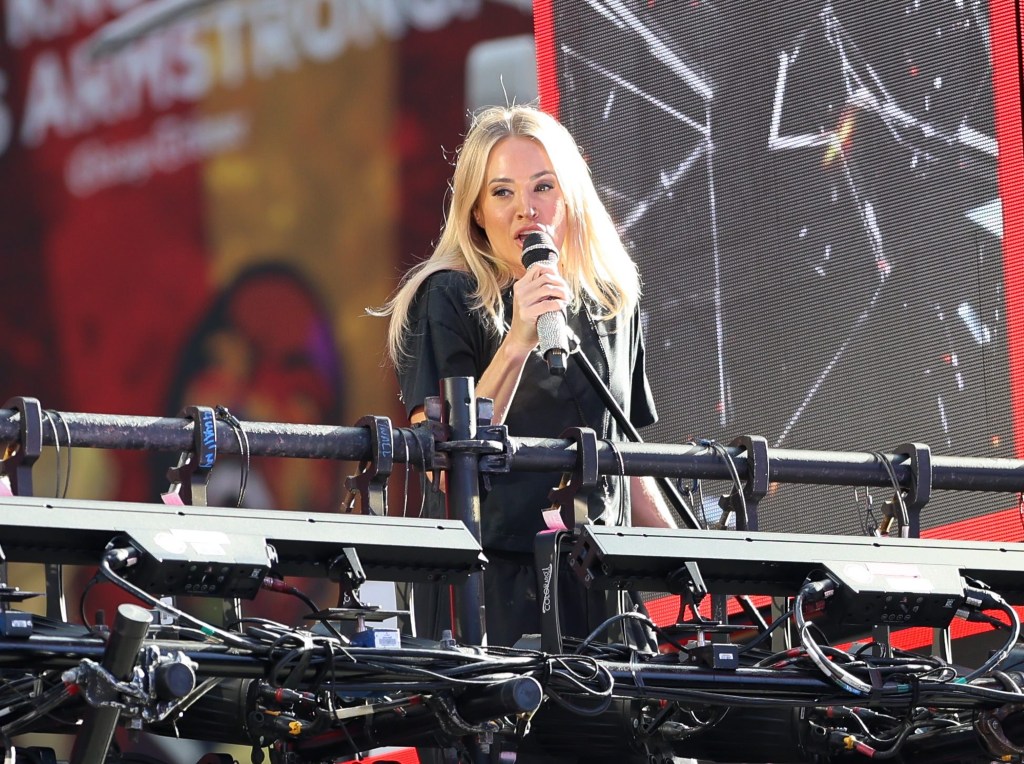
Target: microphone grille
538,246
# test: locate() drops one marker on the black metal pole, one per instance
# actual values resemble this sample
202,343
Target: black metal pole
957,473
140,433
463,491
126,638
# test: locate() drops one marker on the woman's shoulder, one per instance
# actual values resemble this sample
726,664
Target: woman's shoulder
445,291
449,279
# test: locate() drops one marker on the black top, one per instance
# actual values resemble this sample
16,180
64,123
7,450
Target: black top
449,339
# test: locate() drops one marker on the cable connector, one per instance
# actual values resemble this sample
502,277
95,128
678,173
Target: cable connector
276,585
822,588
982,599
121,557
848,742
842,740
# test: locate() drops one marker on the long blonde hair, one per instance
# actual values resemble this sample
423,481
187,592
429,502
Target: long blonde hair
593,260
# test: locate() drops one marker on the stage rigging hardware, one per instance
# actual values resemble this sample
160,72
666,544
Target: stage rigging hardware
311,693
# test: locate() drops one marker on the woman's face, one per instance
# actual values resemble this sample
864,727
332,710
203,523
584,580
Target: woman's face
520,194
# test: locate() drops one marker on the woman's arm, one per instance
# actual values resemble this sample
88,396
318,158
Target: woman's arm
648,507
541,290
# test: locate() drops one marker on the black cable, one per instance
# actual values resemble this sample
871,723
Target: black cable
573,678
408,467
621,464
903,517
243,448
48,701
50,417
1001,654
612,620
275,585
897,744
344,727
737,483
108,572
81,601
1007,681
762,636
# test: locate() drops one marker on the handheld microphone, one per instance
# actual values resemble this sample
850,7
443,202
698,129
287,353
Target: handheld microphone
554,340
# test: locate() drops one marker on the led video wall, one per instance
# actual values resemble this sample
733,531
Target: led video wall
813,193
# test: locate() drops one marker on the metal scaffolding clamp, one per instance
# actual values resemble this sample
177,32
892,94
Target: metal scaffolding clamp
21,456
191,476
756,485
571,496
919,459
371,482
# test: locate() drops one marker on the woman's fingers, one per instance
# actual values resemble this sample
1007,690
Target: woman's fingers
541,290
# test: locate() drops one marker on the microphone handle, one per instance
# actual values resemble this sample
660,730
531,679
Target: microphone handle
553,341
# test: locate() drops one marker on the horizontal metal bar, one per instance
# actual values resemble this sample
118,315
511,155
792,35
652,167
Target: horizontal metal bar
412,446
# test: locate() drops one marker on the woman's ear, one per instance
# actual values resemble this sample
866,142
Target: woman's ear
476,216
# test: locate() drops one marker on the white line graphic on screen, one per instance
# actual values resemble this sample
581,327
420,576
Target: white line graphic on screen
926,141
620,15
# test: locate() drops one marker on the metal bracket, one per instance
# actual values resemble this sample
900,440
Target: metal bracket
495,461
347,571
17,465
191,476
371,483
756,485
919,492
439,432
571,496
687,580
991,731
489,441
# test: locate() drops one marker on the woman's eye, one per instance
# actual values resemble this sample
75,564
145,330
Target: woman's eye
501,192
545,186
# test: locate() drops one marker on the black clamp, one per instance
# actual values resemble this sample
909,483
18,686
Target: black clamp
371,483
571,496
191,476
19,459
498,458
919,492
347,571
489,441
688,582
756,485
991,730
492,439
439,431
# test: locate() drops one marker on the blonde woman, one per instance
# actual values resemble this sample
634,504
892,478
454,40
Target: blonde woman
471,309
